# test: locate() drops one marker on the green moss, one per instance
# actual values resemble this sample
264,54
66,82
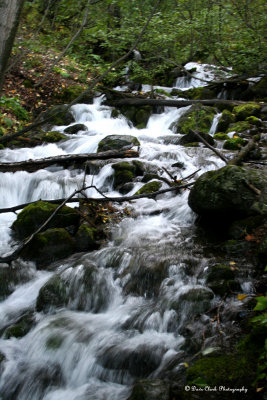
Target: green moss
69,93
115,113
239,127
246,110
124,172
233,370
2,147
86,238
254,120
220,271
138,116
196,118
52,294
35,214
226,119
54,342
150,187
75,128
48,246
58,115
148,177
221,136
53,137
234,143
21,328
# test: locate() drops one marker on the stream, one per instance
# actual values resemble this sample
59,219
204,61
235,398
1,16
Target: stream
142,315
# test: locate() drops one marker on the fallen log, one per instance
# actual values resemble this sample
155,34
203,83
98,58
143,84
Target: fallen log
66,160
169,103
211,147
98,199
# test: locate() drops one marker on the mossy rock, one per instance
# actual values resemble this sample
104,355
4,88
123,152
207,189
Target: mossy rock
177,93
236,248
49,246
52,295
71,130
198,118
58,115
124,172
21,328
53,137
226,119
35,214
225,193
150,187
193,144
246,110
243,227
68,94
150,389
221,136
253,120
86,238
191,137
239,127
117,142
115,113
200,93
259,90
138,116
234,143
220,280
149,177
231,370
196,300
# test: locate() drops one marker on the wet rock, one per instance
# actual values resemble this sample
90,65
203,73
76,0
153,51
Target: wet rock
150,389
126,188
239,229
139,116
9,278
21,327
221,280
226,119
58,115
52,294
86,238
198,118
191,137
195,300
125,172
34,215
234,143
150,187
69,93
49,246
237,248
226,193
262,250
246,110
149,177
200,93
117,142
139,361
238,127
75,128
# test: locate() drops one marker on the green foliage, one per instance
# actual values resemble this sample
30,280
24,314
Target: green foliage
13,104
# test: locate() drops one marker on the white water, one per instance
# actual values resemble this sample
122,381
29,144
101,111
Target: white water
105,334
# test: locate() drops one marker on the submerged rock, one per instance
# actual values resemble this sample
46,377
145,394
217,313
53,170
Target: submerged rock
86,238
227,193
35,214
197,118
52,294
21,327
117,142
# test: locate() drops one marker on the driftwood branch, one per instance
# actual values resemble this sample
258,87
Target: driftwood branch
34,165
211,147
97,199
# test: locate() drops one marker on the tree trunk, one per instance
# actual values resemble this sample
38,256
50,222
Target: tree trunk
9,19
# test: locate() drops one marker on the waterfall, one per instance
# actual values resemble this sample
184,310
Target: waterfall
129,320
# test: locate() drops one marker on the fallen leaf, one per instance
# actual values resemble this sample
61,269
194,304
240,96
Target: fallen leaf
241,296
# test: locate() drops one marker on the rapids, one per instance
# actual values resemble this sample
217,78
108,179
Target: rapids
132,323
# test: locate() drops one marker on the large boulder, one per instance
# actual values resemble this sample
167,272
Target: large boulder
125,172
198,118
228,193
246,110
139,116
117,142
35,214
226,119
191,137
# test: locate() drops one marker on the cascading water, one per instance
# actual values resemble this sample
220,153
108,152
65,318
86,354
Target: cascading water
128,304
